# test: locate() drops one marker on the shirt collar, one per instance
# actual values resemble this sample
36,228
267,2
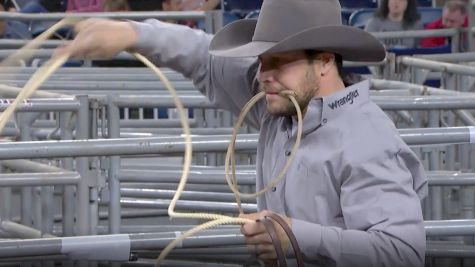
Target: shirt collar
344,100
323,109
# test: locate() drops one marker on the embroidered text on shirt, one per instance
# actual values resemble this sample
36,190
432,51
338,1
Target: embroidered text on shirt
346,99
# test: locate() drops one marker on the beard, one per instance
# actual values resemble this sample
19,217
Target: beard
304,93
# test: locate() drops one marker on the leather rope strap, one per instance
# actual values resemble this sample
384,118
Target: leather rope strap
275,241
293,240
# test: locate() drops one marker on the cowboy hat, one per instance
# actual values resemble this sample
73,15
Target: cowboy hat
286,25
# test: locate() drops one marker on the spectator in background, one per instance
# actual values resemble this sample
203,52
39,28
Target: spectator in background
396,15
8,5
42,6
116,6
203,5
145,5
12,29
454,15
189,5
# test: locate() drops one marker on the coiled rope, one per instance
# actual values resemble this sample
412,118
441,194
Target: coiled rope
45,71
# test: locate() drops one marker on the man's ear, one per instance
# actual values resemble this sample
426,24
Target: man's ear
327,61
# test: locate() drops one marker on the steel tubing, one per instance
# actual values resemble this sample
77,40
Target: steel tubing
39,179
207,206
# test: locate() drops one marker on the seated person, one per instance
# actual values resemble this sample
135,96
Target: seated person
116,6
454,15
8,5
12,29
42,6
189,5
396,15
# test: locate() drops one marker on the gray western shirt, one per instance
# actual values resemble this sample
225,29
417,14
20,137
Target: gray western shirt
353,191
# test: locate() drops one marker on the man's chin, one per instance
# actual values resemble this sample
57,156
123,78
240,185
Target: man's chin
280,112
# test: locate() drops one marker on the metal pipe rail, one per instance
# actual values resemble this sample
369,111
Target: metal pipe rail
39,179
450,57
173,176
186,195
136,15
12,91
44,104
385,102
450,227
21,165
119,247
75,71
218,143
416,33
209,206
451,102
450,251
436,65
16,44
113,247
114,86
379,84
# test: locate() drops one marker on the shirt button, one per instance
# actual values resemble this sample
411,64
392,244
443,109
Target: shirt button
287,153
324,121
274,189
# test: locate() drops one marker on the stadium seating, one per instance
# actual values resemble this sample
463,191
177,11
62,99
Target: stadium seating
361,16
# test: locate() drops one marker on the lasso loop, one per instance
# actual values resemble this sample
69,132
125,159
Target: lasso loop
45,71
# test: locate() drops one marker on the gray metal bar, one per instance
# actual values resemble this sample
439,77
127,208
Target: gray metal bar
63,104
160,240
190,101
185,195
69,196
113,86
416,33
114,184
32,247
83,200
30,166
39,179
424,102
449,227
173,176
437,65
452,251
17,230
12,91
133,146
451,179
450,57
177,263
136,15
187,205
143,146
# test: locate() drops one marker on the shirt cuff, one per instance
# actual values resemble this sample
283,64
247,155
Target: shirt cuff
309,238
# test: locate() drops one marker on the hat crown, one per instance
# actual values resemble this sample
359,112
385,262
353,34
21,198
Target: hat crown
280,19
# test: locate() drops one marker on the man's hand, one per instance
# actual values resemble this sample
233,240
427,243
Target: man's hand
100,39
258,240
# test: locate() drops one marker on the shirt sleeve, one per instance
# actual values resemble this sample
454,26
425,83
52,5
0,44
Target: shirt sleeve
383,219
227,82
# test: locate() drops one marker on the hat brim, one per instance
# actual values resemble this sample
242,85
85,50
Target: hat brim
353,44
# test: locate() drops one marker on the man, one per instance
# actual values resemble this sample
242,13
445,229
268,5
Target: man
454,15
352,194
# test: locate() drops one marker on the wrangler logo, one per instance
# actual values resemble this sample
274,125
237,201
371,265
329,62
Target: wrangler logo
346,99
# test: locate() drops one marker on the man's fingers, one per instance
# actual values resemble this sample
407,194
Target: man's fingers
262,238
252,228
